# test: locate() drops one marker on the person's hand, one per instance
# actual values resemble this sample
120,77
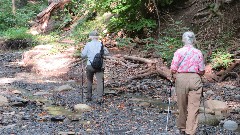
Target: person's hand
201,73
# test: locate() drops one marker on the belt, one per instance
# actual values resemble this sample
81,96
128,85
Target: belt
188,72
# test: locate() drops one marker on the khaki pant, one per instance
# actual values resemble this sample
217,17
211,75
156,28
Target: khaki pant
189,90
99,77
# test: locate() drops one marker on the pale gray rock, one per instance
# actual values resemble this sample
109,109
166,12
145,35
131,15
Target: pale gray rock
3,101
230,125
64,88
82,108
210,120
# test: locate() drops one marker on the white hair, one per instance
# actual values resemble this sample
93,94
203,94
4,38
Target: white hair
188,38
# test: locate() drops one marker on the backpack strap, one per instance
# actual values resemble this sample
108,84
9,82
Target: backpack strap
186,55
102,51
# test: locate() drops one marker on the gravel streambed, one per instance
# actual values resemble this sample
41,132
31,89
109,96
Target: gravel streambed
123,114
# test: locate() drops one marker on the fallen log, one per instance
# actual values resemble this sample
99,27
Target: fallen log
219,76
148,67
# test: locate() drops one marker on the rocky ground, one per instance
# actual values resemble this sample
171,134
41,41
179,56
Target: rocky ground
35,104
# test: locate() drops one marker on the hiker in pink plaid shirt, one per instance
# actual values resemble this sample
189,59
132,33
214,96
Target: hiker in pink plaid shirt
188,66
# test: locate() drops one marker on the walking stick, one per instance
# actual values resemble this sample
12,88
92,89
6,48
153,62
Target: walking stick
204,112
103,82
82,80
169,101
102,53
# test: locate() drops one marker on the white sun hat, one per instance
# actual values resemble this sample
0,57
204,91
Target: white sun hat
93,35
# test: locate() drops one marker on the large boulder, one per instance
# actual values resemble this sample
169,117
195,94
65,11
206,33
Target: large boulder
216,105
210,120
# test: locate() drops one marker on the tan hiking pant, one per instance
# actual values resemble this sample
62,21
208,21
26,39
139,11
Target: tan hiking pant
189,90
99,77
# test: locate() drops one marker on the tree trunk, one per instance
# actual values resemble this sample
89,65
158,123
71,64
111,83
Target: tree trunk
13,7
44,16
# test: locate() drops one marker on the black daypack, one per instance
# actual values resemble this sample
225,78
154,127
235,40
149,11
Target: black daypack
97,62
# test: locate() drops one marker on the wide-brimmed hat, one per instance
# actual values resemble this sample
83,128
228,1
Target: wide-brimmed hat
93,34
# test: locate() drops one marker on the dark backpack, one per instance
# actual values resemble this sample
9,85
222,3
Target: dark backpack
97,62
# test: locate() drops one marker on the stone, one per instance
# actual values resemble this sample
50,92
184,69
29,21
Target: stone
19,104
230,87
64,88
207,110
211,120
144,104
237,97
41,93
216,105
82,108
67,133
230,125
58,118
209,92
16,92
3,101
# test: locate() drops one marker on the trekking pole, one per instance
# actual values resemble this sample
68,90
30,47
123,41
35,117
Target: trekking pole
82,79
103,81
103,67
169,101
204,112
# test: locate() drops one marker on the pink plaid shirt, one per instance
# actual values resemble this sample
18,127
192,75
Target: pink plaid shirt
188,59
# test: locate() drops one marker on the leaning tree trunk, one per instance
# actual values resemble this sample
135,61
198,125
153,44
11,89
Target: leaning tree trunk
42,20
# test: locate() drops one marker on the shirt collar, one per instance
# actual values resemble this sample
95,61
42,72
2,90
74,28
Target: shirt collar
188,45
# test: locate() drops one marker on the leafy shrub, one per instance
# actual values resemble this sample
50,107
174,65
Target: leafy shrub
221,59
58,48
123,42
82,31
169,41
17,33
50,38
18,38
22,16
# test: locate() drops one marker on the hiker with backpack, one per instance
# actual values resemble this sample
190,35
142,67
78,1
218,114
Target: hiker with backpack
188,66
94,51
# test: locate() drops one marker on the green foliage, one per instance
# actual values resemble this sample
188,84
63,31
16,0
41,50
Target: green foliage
142,23
123,42
221,59
17,33
224,38
50,38
58,48
22,17
82,31
128,15
15,27
7,19
166,2
169,41
164,46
